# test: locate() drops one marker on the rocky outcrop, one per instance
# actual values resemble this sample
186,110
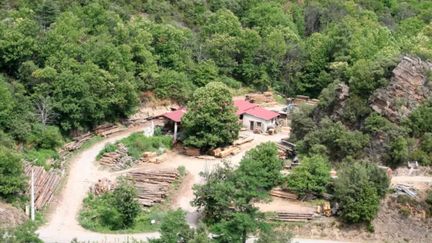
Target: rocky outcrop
407,89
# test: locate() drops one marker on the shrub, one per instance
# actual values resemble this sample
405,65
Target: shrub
107,149
125,202
420,120
398,152
339,141
311,176
137,144
41,156
12,180
46,137
113,210
358,192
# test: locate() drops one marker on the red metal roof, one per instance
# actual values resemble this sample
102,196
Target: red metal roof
175,116
243,106
262,113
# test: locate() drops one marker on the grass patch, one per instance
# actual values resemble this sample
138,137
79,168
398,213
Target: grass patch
137,144
41,156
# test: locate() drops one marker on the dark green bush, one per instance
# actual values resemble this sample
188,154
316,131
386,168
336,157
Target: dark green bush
45,137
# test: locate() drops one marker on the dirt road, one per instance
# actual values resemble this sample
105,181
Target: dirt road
62,224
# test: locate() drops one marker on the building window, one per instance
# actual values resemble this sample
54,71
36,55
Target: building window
241,117
259,124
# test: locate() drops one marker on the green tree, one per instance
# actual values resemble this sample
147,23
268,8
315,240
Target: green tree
357,195
227,197
12,179
311,176
210,120
174,228
399,152
125,202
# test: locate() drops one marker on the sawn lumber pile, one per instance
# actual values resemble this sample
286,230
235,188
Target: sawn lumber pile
45,184
293,217
118,159
278,192
152,186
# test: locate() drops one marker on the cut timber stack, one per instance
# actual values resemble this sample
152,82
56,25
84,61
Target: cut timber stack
108,129
77,143
45,183
224,152
293,217
278,192
117,160
152,186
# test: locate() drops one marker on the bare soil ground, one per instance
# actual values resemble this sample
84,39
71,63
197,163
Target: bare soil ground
11,216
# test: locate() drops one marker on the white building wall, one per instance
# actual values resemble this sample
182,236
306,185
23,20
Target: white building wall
247,119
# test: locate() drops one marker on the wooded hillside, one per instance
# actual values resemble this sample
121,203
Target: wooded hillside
67,66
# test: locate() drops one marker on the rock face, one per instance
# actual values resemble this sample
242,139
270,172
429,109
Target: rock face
10,216
407,89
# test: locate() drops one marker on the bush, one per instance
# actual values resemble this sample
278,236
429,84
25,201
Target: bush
45,137
398,152
311,176
40,156
12,179
339,141
358,191
137,144
107,149
420,120
111,211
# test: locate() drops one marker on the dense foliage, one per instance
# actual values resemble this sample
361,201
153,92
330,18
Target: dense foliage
11,174
210,120
311,176
113,210
174,229
358,189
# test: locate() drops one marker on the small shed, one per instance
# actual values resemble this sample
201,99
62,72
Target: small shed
259,118
174,117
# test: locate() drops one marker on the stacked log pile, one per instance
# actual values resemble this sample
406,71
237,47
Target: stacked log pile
293,217
77,142
226,151
108,129
45,183
153,186
265,98
118,159
102,186
279,192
